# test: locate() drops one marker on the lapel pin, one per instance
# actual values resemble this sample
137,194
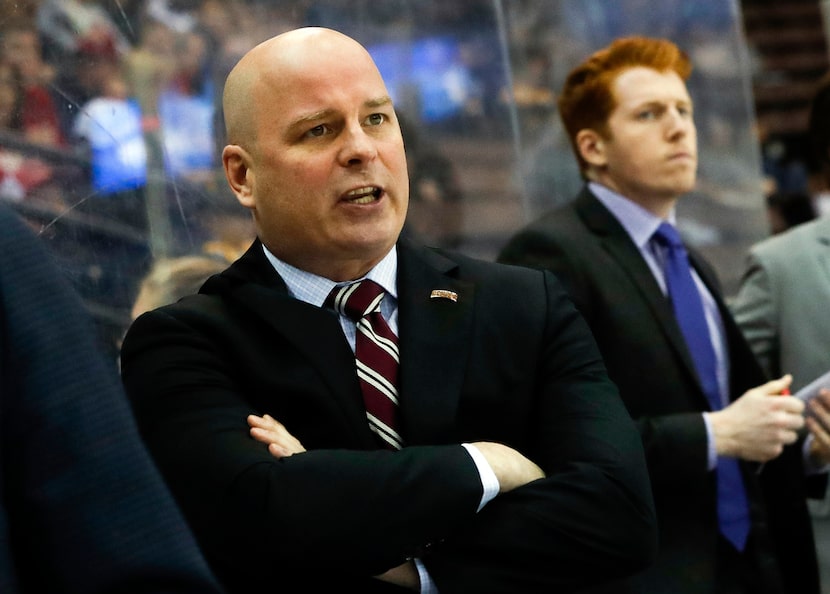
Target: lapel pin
444,294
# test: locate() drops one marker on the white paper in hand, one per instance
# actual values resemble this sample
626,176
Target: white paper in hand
811,390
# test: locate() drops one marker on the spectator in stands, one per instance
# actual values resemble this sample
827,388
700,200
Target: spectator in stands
20,46
186,109
21,174
84,72
108,129
149,67
65,25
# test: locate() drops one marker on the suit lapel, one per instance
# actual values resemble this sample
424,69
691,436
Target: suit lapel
315,332
433,334
615,240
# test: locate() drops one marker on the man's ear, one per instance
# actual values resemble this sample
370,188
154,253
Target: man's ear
239,173
591,147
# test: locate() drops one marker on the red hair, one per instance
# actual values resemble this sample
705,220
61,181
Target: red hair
587,99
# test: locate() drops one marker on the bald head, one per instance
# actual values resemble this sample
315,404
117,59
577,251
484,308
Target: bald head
316,153
261,70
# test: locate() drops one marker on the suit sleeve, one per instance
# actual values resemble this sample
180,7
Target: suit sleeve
592,518
675,442
754,309
355,511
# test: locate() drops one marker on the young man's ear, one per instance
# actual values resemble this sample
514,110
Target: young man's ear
591,147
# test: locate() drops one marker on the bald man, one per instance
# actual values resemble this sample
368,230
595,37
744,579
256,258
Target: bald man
515,467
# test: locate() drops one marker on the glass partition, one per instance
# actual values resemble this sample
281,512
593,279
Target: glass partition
113,124
725,213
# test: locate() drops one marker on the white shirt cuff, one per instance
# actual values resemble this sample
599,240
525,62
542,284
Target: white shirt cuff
489,480
712,455
427,585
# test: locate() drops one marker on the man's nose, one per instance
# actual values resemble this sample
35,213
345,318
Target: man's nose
678,123
358,146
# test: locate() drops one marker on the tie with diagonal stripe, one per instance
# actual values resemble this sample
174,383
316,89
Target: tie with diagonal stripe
376,356
733,508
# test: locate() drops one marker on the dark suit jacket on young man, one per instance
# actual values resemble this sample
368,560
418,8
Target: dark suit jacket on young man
644,351
83,510
510,360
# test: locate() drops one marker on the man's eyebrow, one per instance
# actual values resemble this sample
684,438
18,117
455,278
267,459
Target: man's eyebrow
325,113
379,101
649,103
663,101
310,118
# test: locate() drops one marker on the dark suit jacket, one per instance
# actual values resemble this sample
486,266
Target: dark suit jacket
510,361
643,348
82,508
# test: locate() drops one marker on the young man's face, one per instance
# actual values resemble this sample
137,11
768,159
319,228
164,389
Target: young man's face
650,155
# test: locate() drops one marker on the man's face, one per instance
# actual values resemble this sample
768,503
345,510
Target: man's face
650,155
22,49
330,181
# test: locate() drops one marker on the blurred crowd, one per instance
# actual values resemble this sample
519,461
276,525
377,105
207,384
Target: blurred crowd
111,127
131,89
93,78
107,104
110,111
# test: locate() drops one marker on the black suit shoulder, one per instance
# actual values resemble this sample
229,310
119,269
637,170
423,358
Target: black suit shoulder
538,241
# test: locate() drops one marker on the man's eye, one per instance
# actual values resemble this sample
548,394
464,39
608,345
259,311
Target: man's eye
646,115
317,131
376,119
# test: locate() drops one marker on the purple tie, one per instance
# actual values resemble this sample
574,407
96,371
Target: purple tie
733,509
376,356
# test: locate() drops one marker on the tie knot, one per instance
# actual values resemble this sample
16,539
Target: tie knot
357,299
668,236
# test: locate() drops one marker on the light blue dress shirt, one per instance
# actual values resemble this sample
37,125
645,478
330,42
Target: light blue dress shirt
640,224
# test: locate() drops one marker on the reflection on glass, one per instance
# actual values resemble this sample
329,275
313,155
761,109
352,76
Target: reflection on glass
112,125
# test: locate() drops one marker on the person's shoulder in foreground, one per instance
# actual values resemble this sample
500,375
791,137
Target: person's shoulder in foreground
520,469
83,508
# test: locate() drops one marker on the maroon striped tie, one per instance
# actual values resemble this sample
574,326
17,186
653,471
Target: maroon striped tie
376,356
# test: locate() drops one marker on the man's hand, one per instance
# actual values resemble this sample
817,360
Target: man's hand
405,575
818,423
511,468
760,423
266,429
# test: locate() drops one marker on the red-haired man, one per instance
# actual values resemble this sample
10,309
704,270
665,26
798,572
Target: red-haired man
706,414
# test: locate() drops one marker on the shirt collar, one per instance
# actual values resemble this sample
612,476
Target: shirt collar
639,223
314,289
